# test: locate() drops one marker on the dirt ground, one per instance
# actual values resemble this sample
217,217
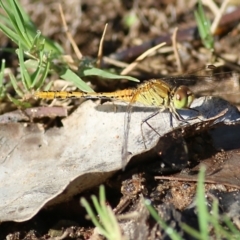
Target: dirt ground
133,28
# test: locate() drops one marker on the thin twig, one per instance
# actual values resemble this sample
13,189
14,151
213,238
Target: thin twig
219,16
115,62
211,5
175,50
100,49
131,66
69,35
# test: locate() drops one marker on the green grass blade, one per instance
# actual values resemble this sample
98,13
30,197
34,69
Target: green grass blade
19,103
12,30
26,79
25,16
107,223
191,231
168,230
15,85
40,82
48,86
90,212
102,199
203,216
104,212
70,76
18,26
204,27
2,88
214,219
20,23
103,74
9,33
35,75
16,21
100,210
231,226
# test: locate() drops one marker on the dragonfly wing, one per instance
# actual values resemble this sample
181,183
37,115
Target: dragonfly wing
153,93
127,120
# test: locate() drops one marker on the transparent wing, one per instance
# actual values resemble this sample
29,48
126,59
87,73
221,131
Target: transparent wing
127,119
225,84
153,93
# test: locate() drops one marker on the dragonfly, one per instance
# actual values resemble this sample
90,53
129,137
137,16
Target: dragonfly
152,93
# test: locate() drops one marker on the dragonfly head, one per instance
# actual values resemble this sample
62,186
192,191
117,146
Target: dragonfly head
183,97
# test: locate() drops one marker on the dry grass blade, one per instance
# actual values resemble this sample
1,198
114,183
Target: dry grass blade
219,16
176,53
131,66
69,35
100,50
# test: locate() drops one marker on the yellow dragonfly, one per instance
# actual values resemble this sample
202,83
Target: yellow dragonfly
152,93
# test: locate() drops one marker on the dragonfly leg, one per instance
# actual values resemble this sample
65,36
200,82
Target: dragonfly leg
180,118
146,121
199,114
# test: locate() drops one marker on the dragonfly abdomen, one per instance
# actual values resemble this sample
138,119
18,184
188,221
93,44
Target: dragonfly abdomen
124,95
56,94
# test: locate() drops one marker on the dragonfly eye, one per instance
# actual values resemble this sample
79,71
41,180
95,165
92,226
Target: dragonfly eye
183,97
